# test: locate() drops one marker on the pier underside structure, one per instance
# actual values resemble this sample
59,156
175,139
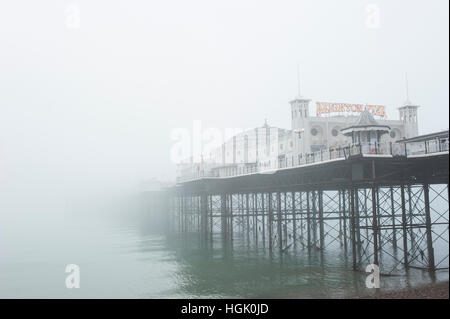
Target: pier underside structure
389,211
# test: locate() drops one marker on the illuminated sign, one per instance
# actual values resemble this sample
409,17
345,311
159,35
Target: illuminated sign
327,108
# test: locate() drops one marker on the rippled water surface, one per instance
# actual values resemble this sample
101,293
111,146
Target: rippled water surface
123,260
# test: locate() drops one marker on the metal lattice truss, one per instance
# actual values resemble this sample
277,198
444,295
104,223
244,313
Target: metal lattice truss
397,227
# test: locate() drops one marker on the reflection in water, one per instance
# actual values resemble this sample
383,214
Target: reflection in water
220,270
121,260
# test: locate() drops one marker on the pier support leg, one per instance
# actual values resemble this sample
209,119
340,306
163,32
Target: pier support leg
247,217
294,220
223,215
308,219
321,225
270,222
204,215
352,227
430,249
357,223
314,220
404,227
231,216
375,225
279,224
263,214
344,211
411,217
394,231
211,220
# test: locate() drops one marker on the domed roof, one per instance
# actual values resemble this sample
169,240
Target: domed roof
365,122
366,118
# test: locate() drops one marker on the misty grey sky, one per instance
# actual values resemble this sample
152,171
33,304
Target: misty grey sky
97,104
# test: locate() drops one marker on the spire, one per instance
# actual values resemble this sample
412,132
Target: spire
298,81
407,102
299,96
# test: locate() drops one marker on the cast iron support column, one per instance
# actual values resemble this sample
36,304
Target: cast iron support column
375,224
394,232
314,221
270,222
357,223
308,219
344,218
294,220
279,225
204,215
230,212
411,218
223,215
430,249
352,226
405,231
263,214
321,226
247,218
211,221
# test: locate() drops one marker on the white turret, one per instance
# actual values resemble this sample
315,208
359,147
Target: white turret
299,120
408,115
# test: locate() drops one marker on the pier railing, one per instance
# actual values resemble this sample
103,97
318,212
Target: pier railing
398,149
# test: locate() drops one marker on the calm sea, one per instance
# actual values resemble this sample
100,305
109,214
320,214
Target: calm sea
122,259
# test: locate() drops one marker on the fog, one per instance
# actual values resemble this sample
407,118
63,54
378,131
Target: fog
90,91
97,102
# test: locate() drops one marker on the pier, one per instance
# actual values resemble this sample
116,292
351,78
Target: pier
383,205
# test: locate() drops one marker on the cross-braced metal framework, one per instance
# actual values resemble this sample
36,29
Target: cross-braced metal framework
396,220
